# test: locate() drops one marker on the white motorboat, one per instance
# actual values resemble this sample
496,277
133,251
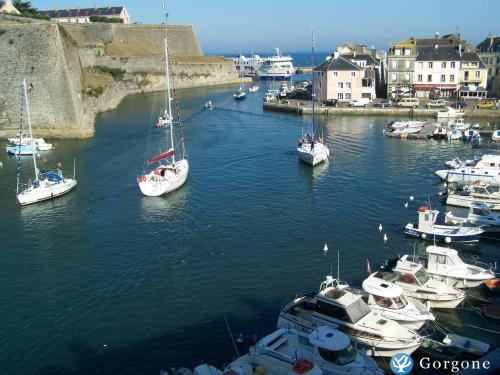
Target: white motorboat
338,307
253,88
417,283
427,229
312,150
276,67
449,112
169,174
488,194
325,347
209,105
472,135
387,298
459,163
479,215
439,133
417,125
445,264
271,96
459,124
495,136
486,170
454,135
25,140
46,185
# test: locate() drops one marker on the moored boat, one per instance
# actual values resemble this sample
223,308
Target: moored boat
449,112
338,307
446,265
466,344
486,170
478,192
479,215
427,229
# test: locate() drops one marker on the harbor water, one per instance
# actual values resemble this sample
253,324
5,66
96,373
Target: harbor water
106,280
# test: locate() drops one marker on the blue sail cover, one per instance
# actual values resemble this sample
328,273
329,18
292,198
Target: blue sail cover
52,176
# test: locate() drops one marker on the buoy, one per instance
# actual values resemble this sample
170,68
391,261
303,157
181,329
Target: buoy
380,228
325,249
445,184
447,239
385,237
406,204
1,164
105,345
412,197
424,236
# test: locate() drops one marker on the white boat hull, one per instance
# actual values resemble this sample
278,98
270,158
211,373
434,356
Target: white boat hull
317,155
155,184
45,191
466,200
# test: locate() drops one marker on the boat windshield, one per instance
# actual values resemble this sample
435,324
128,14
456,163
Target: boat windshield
340,357
391,303
399,302
422,276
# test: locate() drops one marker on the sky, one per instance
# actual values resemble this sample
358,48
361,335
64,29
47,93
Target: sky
235,26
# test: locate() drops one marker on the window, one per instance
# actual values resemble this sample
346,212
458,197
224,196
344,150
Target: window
443,65
443,78
452,77
348,95
335,74
466,75
421,65
419,79
430,64
340,85
478,73
498,60
394,77
340,96
397,51
407,63
452,64
394,64
348,85
429,78
407,77
353,74
496,71
407,51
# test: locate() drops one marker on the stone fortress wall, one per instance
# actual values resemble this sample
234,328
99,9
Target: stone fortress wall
77,70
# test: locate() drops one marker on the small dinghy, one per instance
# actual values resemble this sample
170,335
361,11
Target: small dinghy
439,133
437,350
209,105
454,134
466,345
472,136
495,136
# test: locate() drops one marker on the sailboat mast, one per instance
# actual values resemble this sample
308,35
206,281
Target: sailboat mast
313,85
167,76
29,126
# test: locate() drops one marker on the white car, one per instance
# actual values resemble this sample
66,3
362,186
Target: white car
361,102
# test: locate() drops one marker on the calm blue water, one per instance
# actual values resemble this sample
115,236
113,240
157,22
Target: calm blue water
105,280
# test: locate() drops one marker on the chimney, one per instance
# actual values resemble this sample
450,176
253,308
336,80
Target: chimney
354,54
335,55
436,35
374,52
460,49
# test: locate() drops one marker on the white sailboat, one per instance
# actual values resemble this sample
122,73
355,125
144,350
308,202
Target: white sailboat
46,185
311,150
168,174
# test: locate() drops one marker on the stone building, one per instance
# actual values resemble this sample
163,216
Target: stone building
82,15
489,51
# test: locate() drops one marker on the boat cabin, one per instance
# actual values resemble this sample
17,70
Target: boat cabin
332,345
426,218
406,272
483,190
385,293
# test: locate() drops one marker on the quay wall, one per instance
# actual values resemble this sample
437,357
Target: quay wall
76,71
304,108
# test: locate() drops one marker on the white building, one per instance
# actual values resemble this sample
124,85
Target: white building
82,15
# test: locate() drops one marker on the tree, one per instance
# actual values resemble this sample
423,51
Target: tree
27,10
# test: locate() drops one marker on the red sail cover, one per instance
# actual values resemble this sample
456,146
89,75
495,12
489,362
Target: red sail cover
163,155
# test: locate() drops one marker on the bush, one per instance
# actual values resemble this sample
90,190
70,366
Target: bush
117,73
96,18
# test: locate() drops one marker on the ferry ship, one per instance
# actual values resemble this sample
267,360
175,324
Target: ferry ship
272,67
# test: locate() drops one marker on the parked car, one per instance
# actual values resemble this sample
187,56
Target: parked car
384,103
361,102
409,102
436,103
486,105
459,104
330,102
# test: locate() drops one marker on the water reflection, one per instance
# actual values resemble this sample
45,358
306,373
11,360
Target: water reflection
164,208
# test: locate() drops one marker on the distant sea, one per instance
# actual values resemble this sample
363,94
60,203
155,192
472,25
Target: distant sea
299,58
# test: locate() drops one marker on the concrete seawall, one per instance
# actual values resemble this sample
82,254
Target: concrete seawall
75,71
300,107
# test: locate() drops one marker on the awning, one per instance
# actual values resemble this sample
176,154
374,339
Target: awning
161,156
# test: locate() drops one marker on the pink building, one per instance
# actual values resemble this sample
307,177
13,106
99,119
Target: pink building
339,78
